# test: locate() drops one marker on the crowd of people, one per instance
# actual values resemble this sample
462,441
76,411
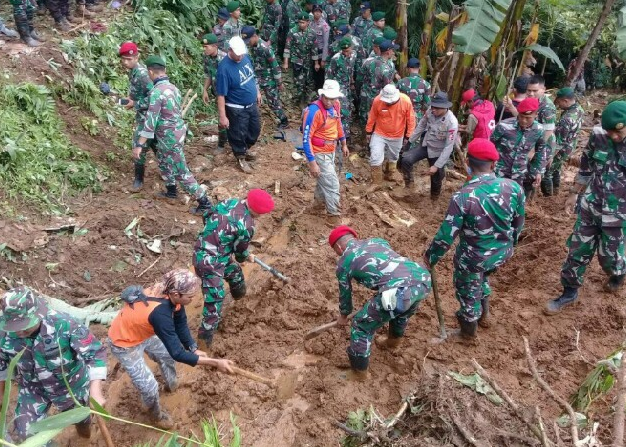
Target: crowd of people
512,150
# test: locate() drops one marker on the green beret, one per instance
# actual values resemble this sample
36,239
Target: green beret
232,6
614,116
209,39
379,40
389,33
340,22
566,92
378,15
344,43
304,16
155,60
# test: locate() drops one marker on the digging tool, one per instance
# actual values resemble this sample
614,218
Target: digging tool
323,328
186,106
105,432
442,325
509,89
272,270
285,385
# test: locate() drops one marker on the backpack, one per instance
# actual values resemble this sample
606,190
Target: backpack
320,106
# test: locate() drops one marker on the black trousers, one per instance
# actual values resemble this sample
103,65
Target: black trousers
244,128
413,156
318,78
58,9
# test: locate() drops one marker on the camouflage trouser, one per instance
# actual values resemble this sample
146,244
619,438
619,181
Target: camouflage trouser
32,406
347,107
587,237
174,168
59,9
132,360
272,95
471,288
372,317
553,171
150,144
213,291
364,107
23,13
303,80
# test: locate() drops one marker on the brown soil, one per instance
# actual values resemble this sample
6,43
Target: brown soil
264,332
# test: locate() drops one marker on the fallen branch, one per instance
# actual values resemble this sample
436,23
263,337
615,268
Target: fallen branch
557,434
149,267
543,384
399,414
544,438
362,436
469,437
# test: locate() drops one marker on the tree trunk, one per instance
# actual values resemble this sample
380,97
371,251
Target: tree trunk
458,84
403,34
427,33
584,53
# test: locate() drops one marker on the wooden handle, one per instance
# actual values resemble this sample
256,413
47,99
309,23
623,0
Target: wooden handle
105,432
323,328
252,376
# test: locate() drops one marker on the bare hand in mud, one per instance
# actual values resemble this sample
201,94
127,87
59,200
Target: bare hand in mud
433,170
136,153
225,366
342,320
250,258
537,181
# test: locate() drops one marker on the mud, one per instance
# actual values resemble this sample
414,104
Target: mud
264,331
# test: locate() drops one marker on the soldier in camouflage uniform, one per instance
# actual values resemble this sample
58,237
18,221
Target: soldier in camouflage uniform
301,51
400,284
291,13
378,25
362,24
222,18
566,133
233,25
138,96
515,138
416,88
272,19
547,118
341,32
228,231
165,124
487,214
341,69
56,348
210,59
378,72
23,13
267,71
600,191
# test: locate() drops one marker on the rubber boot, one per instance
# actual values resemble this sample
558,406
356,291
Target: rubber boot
614,283
243,164
222,139
170,194
205,339
547,186
484,321
73,19
82,11
24,31
359,367
238,291
556,183
160,418
139,173
95,8
41,9
171,387
8,31
377,179
83,428
468,328
284,123
204,206
34,34
569,296
393,175
390,343
63,24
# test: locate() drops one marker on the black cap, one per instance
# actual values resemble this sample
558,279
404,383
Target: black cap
413,63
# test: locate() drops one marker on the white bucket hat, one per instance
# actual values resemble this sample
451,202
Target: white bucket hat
238,46
330,90
389,94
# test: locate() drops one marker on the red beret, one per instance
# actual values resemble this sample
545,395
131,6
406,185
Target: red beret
128,49
339,232
260,201
467,96
528,105
482,149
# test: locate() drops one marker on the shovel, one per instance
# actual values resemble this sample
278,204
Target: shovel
285,385
272,270
442,325
323,328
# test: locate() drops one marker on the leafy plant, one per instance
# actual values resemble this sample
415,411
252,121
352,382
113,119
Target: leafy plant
485,18
597,383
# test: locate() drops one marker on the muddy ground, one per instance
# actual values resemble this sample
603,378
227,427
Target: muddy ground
264,332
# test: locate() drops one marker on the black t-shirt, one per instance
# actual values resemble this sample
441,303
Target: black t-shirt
506,113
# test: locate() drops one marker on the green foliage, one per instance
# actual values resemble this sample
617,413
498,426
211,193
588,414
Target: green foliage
38,164
479,33
597,383
358,420
620,37
546,52
7,393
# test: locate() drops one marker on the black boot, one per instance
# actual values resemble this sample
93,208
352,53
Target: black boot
468,329
222,139
359,367
556,183
569,296
546,186
238,290
204,206
614,283
205,339
22,28
484,320
169,194
284,123
139,173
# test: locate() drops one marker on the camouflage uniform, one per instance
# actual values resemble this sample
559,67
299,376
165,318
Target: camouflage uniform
566,134
290,14
269,76
62,349
272,19
139,92
357,47
361,26
488,215
379,72
514,145
230,29
546,115
418,90
209,64
23,14
218,31
165,124
373,264
341,69
602,216
301,51
228,231
343,10
368,39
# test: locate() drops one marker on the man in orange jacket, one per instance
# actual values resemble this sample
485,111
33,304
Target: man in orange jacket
389,125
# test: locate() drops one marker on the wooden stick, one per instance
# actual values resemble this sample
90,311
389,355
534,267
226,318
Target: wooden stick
469,437
618,418
105,432
544,437
323,328
195,95
252,376
564,404
398,415
442,323
352,432
149,267
187,94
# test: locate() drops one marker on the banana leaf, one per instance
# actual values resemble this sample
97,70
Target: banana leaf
485,19
545,51
620,35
